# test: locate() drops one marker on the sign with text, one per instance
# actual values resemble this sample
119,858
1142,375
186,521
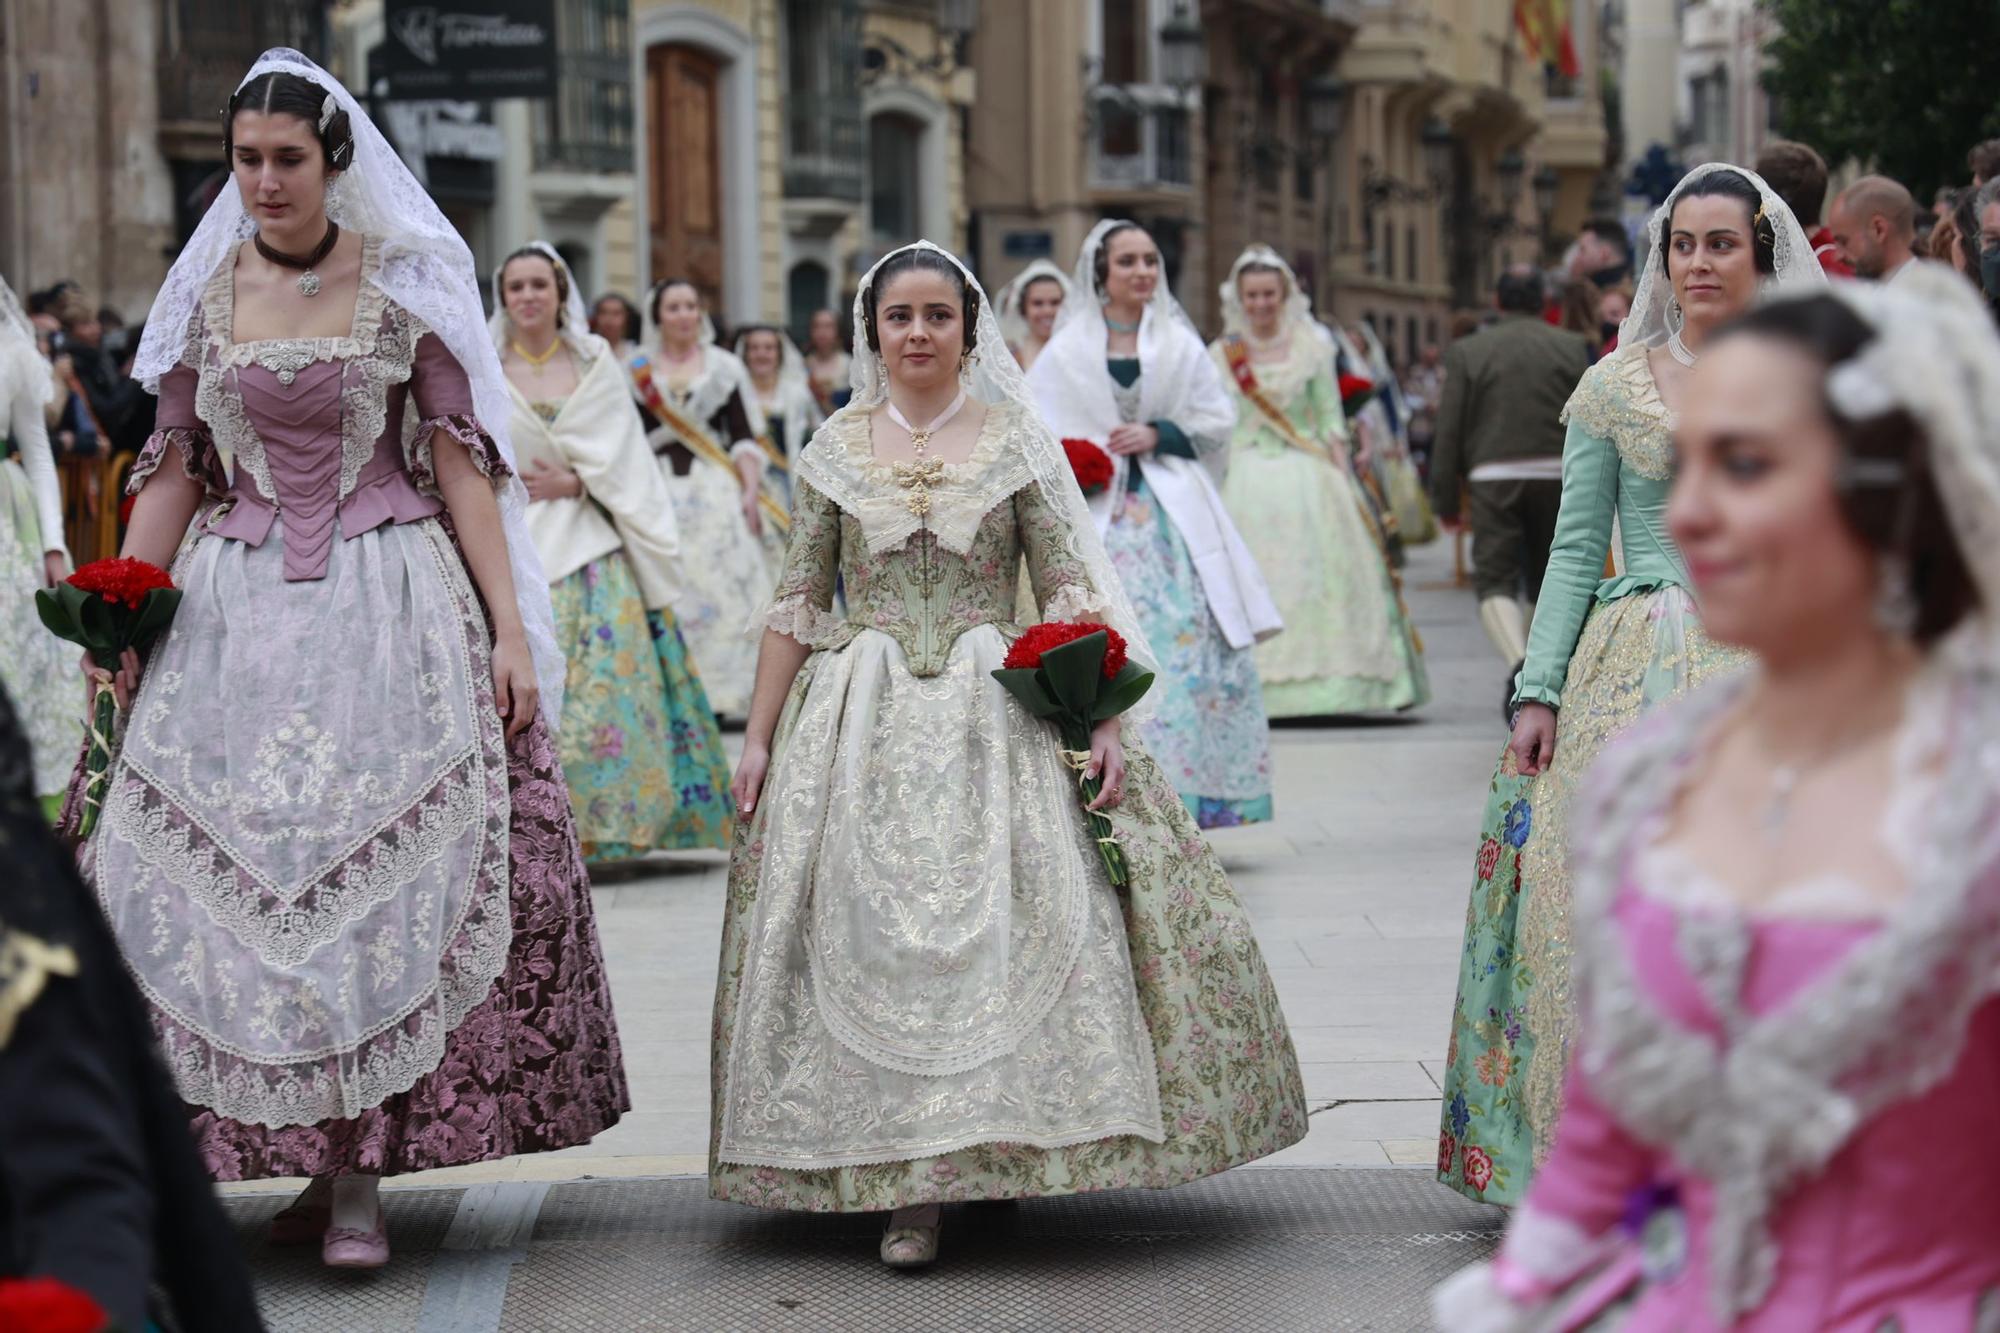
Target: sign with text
471,50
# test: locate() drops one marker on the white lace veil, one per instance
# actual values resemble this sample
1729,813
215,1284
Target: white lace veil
1646,324
23,352
1298,306
1086,300
1013,318
574,326
994,378
425,268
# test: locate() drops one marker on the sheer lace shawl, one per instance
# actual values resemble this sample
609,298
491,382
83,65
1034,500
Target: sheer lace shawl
721,374
1785,1091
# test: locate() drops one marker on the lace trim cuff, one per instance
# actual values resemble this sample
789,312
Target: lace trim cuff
797,618
747,449
1077,601
199,459
468,432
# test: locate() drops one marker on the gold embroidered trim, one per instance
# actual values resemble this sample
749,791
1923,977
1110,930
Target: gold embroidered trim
26,964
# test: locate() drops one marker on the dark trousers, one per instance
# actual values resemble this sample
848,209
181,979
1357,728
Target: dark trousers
1513,526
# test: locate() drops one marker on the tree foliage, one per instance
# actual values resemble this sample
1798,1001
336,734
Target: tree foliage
1908,85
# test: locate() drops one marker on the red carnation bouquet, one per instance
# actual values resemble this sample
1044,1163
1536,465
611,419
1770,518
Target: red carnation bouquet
107,606
1076,675
1355,391
44,1305
1091,464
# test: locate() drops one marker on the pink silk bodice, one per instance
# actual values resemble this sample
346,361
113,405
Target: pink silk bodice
1904,1222
300,425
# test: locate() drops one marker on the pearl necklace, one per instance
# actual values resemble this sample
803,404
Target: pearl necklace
1678,350
920,438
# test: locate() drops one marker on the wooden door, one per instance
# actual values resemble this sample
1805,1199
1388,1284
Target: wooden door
683,170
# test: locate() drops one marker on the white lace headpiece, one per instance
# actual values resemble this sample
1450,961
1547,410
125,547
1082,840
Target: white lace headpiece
574,326
649,330
1298,306
23,349
1796,266
1087,298
425,268
1013,298
993,377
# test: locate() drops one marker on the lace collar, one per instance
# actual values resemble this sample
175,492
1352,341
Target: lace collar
1286,378
840,464
1771,1104
285,357
1619,400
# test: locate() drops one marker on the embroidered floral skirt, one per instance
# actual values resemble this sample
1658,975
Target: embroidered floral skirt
1514,1017
930,993
728,575
1404,488
1208,731
38,670
640,746
1348,646
359,916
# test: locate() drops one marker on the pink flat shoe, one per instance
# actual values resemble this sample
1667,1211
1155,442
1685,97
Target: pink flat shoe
300,1223
345,1247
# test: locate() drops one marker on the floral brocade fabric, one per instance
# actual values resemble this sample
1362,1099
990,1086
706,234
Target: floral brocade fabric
640,746
1514,1016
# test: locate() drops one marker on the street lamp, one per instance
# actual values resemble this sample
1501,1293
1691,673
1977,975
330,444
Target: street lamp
1547,183
1326,107
1509,169
1438,145
1183,51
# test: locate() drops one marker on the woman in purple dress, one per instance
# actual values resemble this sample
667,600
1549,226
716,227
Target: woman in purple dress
337,848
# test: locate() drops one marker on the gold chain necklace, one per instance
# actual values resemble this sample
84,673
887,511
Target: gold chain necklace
536,361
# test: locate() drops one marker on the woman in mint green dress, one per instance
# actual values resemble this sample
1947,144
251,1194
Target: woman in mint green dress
1601,653
1348,646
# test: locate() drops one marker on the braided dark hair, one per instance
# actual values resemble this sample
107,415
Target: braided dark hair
660,289
919,260
280,94
1732,185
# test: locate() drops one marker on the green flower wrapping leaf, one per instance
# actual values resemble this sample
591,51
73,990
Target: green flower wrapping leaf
1076,675
107,607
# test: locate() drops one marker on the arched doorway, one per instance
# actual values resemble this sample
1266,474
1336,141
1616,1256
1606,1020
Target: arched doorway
684,186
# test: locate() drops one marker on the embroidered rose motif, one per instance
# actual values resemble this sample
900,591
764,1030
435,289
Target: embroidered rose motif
1447,1151
1489,859
1519,823
1478,1168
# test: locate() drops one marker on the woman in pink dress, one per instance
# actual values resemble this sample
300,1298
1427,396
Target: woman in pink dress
1788,894
337,847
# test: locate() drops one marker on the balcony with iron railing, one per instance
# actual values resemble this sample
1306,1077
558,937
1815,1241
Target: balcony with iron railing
588,125
1141,139
826,150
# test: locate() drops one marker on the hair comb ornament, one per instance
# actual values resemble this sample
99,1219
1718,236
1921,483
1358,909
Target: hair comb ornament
326,110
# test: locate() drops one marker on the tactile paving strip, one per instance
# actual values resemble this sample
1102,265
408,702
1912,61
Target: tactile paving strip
1269,1250
298,1294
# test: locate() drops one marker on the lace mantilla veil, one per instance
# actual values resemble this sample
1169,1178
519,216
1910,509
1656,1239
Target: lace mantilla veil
425,268
1013,319
1797,268
993,377
791,362
22,352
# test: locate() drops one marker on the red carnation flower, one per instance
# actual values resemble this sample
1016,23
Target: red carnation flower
44,1305
1352,386
1092,466
1026,654
122,580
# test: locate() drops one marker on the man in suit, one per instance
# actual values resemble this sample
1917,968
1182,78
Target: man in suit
1500,437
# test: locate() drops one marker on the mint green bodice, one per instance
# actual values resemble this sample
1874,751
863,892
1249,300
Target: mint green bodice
921,593
1617,461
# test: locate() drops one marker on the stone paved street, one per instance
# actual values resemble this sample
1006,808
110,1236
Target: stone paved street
1357,891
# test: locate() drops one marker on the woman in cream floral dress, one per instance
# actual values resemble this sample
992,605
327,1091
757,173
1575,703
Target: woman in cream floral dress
929,992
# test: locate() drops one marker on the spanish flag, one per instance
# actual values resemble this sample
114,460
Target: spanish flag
1545,32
